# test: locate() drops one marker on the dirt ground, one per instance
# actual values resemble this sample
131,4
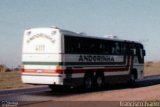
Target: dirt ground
113,98
149,93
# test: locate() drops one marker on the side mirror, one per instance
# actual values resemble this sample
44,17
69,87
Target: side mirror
144,53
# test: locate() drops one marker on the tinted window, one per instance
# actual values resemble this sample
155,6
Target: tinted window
83,45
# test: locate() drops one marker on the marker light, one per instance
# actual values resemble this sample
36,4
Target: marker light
28,33
53,33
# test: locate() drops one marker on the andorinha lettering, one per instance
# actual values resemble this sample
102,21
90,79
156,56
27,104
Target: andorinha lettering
95,58
38,36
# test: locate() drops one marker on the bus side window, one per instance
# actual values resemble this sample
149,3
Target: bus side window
74,45
109,48
67,45
91,46
123,49
131,49
117,48
101,47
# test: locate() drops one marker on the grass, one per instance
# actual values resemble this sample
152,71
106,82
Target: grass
12,80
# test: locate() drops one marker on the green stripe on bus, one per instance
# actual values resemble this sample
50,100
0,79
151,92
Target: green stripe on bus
42,63
74,63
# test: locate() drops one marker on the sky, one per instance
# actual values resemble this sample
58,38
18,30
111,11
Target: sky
137,20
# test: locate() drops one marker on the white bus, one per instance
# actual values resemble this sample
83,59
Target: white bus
58,57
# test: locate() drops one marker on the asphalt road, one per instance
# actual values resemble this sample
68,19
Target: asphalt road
43,94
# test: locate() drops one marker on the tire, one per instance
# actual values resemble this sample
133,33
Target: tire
99,80
88,82
132,79
56,88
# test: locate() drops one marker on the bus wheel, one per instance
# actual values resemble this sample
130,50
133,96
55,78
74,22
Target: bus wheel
88,81
99,80
56,88
132,78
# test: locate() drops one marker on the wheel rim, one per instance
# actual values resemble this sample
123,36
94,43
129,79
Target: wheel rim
99,81
88,83
132,77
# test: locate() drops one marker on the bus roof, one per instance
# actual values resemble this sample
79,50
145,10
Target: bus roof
74,34
84,35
